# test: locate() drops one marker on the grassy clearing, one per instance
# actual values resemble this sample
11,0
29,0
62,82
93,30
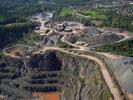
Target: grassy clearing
93,14
66,12
82,14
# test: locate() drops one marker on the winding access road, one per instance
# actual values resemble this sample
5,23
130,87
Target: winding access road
107,77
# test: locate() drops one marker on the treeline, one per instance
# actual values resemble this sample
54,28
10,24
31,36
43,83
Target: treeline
112,19
66,3
13,18
119,21
56,17
124,48
18,13
13,32
19,9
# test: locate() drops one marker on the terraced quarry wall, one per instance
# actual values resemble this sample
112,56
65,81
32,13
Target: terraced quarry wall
83,80
73,78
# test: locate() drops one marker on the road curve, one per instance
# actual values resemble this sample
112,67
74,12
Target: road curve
89,47
103,69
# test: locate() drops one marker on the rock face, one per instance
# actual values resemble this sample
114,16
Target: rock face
12,61
123,69
9,78
83,80
47,62
79,78
76,78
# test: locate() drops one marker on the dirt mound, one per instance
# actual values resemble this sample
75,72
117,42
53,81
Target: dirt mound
95,39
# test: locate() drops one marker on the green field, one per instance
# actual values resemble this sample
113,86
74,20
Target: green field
66,12
107,18
82,14
93,14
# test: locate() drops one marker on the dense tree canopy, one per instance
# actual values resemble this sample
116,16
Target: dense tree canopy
124,48
119,21
13,32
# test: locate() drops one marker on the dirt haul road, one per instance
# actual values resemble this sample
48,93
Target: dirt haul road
103,69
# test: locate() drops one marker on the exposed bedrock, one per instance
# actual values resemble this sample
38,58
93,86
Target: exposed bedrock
83,80
47,62
123,69
75,77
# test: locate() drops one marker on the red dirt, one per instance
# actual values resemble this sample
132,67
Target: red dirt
47,96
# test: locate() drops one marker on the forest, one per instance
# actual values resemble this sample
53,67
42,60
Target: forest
13,32
119,21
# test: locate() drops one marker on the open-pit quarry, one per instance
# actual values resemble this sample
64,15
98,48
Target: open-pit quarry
49,71
52,73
